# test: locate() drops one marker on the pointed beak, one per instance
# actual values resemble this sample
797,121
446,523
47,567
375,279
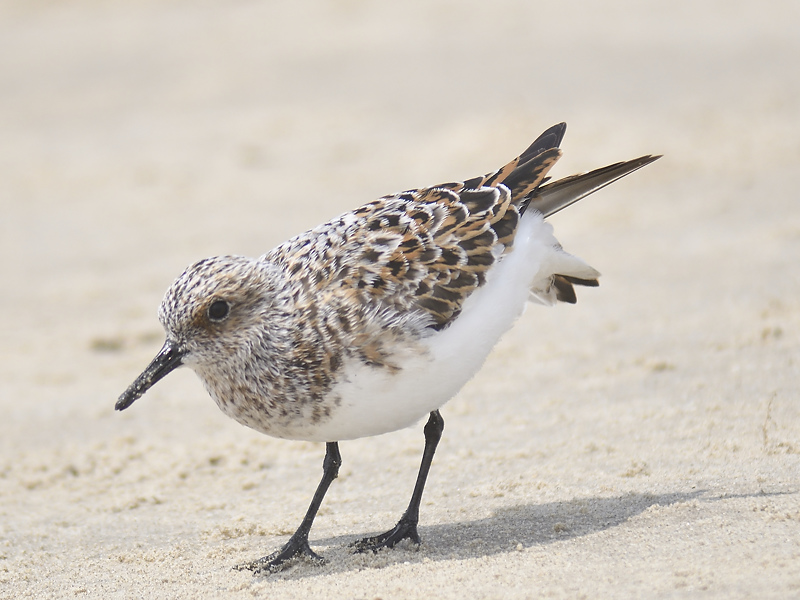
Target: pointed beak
168,359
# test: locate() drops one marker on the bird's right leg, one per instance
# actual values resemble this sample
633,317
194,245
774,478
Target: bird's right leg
406,528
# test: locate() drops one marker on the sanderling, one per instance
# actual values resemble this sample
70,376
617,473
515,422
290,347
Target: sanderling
367,323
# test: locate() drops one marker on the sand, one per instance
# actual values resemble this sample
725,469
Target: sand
642,443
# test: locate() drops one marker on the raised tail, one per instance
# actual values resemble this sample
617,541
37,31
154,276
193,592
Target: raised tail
526,177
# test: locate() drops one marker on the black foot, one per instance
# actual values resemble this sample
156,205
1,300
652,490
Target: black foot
404,530
280,559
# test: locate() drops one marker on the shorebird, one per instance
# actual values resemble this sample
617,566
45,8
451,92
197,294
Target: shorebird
375,319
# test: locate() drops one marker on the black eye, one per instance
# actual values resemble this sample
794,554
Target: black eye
218,310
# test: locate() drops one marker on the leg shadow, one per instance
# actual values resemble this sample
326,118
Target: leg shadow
527,524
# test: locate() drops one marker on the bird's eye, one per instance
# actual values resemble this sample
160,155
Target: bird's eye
218,310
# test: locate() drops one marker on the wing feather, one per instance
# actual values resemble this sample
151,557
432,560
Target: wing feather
427,250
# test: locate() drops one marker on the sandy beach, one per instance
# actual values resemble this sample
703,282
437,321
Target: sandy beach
643,443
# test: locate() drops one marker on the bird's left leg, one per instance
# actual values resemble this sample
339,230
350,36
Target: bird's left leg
297,545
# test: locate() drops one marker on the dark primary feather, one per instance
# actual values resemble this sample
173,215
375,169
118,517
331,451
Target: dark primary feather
549,139
553,197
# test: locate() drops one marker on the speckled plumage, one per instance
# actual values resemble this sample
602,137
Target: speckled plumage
369,322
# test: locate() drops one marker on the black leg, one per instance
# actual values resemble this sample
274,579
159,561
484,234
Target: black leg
297,545
406,528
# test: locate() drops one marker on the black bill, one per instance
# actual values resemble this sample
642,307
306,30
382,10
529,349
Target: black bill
168,359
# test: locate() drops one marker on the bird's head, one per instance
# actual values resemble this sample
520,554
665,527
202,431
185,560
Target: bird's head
209,314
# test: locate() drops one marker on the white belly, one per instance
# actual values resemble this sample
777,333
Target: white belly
375,401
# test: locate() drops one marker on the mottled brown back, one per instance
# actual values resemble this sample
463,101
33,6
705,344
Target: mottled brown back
427,249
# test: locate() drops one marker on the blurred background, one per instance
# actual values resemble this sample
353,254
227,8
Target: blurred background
138,137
